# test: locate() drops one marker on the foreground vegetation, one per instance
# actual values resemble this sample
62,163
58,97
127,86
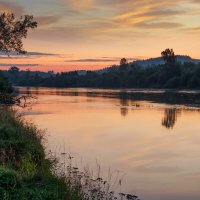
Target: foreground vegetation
27,174
24,171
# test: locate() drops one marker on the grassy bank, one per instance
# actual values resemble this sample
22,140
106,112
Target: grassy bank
25,173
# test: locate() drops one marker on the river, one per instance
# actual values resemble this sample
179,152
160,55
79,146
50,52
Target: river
151,137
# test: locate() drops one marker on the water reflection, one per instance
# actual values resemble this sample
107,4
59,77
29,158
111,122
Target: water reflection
125,98
170,114
124,106
156,96
170,118
124,111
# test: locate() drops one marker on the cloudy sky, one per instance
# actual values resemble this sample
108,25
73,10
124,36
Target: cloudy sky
89,34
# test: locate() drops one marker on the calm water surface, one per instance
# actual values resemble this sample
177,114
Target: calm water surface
151,137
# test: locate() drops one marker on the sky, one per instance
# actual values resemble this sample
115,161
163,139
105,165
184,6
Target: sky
93,34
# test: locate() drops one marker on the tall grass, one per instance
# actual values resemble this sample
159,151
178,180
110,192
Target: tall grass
27,173
87,183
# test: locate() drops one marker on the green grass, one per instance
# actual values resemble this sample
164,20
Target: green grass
25,173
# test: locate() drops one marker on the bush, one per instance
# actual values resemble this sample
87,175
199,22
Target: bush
9,179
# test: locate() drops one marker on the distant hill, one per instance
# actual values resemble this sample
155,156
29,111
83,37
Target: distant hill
151,62
160,61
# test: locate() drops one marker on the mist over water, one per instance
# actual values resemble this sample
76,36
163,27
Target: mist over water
151,136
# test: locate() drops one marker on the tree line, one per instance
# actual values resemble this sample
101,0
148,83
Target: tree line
172,74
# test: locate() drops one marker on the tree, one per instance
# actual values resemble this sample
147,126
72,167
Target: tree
123,61
14,70
169,57
13,30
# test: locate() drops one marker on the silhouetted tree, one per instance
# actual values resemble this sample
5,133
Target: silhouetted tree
123,61
169,57
14,70
13,30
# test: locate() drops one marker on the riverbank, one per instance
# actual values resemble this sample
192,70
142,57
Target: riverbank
25,173
28,173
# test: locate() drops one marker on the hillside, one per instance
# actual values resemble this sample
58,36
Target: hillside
159,61
152,62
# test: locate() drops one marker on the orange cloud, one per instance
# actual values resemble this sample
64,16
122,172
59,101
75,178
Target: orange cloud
80,4
47,20
6,6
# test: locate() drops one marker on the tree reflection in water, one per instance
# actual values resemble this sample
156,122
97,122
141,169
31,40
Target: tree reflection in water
124,107
124,111
170,117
